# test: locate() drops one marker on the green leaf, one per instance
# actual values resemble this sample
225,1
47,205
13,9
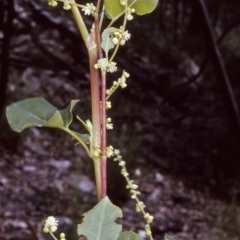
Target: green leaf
84,137
168,237
99,223
107,43
38,112
129,236
143,6
114,9
67,113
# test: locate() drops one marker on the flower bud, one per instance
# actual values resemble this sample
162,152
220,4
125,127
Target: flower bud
45,230
62,235
122,42
115,40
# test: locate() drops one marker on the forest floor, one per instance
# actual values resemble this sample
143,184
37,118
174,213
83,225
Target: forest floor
39,179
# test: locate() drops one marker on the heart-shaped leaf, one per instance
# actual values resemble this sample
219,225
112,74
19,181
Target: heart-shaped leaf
143,6
38,112
99,223
114,9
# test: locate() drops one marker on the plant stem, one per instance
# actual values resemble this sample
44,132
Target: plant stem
80,23
98,177
74,135
53,236
104,136
95,94
114,53
96,120
103,107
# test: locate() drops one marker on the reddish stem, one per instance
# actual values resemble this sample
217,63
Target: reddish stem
104,137
96,118
103,109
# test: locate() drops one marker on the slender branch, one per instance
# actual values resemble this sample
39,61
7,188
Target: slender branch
124,26
114,53
101,18
219,67
99,2
74,135
53,235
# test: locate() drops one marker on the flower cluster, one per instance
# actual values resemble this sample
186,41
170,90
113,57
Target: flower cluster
108,104
129,13
66,5
89,9
134,192
121,36
105,65
109,124
50,225
54,3
110,151
121,82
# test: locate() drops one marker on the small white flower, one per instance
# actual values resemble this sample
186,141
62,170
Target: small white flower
116,152
88,9
109,151
51,224
112,67
109,126
104,65
126,35
122,82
